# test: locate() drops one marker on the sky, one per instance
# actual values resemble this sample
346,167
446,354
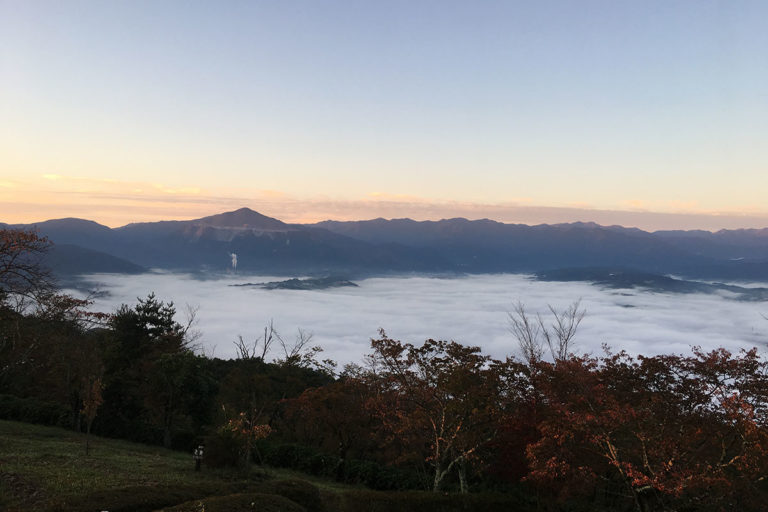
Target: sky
651,114
471,310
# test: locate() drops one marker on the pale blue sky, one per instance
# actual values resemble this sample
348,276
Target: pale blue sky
649,105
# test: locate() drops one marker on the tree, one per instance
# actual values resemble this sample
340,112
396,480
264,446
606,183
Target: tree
142,338
442,395
45,345
313,418
23,277
22,280
661,433
245,430
527,332
521,409
260,347
533,333
178,389
92,399
300,353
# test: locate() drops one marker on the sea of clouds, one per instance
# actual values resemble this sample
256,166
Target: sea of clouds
472,310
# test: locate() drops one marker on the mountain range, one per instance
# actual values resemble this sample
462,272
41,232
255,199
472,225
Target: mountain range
373,247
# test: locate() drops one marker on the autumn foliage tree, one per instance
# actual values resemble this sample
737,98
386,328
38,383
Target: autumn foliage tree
441,396
245,429
22,278
335,418
658,433
44,347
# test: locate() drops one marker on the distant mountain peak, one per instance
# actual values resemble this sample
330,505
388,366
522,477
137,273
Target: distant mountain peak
579,224
69,229
67,222
243,218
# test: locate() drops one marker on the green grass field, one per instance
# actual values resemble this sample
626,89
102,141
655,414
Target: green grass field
46,469
52,461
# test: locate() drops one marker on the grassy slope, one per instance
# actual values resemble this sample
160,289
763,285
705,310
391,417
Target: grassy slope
39,465
45,468
54,460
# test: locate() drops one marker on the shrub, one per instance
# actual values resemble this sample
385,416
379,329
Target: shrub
184,440
222,451
298,491
318,463
289,456
380,477
366,472
31,410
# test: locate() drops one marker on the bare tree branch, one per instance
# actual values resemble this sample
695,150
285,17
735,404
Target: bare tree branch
23,278
189,329
527,332
533,333
293,352
260,347
563,329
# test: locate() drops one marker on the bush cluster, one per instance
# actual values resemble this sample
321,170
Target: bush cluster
31,410
298,491
350,471
222,451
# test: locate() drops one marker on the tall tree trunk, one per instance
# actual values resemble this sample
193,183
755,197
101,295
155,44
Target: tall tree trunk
438,476
342,459
167,420
646,500
88,438
462,469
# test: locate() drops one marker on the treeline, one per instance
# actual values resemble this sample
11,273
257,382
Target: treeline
139,369
610,432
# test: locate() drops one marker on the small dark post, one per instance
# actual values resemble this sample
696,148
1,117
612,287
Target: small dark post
198,456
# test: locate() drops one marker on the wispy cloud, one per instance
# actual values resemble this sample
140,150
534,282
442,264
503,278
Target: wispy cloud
118,202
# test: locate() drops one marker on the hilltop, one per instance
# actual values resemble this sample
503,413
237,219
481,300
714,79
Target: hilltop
267,245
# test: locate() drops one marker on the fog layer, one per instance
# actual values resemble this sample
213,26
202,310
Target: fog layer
471,310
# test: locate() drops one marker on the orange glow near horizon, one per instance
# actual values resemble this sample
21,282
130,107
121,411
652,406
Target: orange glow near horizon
115,203
648,114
